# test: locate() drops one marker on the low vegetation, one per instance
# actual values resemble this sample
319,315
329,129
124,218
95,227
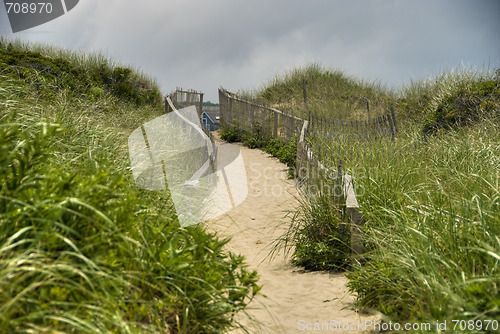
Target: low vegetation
431,230
49,74
286,152
470,102
82,249
316,235
430,198
326,90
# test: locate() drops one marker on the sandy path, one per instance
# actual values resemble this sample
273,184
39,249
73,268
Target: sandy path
296,301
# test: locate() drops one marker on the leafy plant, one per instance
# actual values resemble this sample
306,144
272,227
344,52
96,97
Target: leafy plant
430,208
316,233
470,102
82,249
233,135
51,73
285,152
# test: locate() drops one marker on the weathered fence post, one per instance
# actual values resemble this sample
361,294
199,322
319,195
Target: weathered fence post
340,131
276,122
391,127
167,106
330,130
394,121
338,188
304,89
387,119
356,231
201,104
368,109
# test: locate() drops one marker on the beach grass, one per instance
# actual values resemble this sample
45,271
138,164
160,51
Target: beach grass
430,197
82,249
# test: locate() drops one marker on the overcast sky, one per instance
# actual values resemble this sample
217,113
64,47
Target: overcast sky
203,44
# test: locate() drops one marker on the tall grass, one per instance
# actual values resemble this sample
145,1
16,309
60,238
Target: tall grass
329,93
316,237
430,199
82,249
432,230
51,70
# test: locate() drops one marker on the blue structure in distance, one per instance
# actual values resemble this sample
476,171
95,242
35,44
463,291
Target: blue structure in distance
210,119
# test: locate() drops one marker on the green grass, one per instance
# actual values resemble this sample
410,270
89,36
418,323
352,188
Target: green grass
286,152
316,236
430,198
453,98
329,92
82,249
49,71
432,229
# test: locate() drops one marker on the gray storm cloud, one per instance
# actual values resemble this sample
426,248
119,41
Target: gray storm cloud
241,44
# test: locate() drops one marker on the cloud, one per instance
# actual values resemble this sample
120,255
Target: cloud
241,44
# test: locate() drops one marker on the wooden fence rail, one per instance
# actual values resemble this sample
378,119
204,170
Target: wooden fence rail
353,130
184,98
263,120
179,99
312,172
256,117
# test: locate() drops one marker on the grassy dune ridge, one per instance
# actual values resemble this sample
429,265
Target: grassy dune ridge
326,90
82,249
430,198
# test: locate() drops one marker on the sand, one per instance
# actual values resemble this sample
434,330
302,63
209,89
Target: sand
291,300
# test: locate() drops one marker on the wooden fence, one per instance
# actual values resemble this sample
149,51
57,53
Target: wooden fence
351,131
179,99
327,133
256,117
266,121
184,98
312,172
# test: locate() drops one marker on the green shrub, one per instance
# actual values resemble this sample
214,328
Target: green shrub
319,238
49,75
233,135
459,100
274,146
75,254
463,104
96,92
82,249
252,142
285,152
